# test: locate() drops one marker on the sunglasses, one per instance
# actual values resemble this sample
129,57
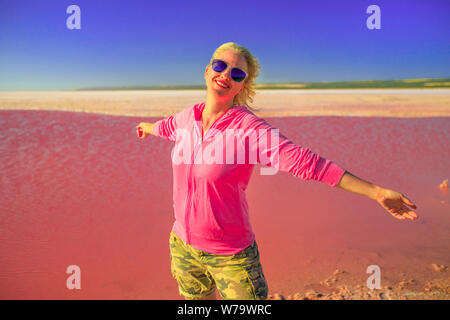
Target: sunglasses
236,74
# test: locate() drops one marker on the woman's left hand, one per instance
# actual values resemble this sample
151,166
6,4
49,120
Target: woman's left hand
396,204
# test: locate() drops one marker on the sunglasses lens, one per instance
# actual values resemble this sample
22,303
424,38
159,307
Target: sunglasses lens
218,65
237,74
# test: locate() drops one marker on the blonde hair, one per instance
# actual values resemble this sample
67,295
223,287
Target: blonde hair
248,92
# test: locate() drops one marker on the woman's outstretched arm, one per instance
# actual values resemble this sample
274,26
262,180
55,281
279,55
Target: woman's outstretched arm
394,202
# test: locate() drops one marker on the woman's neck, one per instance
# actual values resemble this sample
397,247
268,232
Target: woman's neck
214,108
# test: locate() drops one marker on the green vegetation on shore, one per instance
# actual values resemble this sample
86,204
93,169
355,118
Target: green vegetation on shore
361,84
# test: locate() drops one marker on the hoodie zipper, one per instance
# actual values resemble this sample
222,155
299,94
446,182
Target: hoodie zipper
189,201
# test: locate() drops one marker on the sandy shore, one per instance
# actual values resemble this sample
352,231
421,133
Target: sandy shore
338,286
409,103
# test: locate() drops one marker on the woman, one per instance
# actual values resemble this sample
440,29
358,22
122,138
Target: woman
212,244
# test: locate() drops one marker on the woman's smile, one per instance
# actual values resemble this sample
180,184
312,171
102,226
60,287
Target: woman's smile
222,84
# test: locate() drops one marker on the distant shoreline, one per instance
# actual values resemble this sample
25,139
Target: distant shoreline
425,83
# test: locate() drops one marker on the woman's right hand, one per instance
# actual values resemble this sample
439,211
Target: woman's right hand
146,129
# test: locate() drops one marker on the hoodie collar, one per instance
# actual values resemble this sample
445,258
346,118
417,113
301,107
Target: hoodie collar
201,106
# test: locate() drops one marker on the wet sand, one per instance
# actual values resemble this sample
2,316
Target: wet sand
340,287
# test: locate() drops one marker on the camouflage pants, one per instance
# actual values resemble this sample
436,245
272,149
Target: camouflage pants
198,273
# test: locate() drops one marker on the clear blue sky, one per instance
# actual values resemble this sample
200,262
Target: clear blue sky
138,42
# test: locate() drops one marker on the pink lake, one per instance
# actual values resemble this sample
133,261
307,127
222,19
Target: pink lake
81,189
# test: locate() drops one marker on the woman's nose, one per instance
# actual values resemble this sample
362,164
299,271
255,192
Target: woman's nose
227,73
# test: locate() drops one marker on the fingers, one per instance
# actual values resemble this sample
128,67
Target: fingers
409,215
141,125
404,213
140,133
396,214
401,216
397,207
408,202
413,215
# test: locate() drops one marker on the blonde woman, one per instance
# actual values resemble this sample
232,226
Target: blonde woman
212,245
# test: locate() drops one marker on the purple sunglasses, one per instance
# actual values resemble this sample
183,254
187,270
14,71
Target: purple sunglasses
236,74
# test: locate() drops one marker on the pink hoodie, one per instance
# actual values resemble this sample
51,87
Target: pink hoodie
211,211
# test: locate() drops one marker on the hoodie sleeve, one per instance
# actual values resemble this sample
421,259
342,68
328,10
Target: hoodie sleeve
280,153
167,128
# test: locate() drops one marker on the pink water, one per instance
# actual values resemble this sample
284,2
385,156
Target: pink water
82,189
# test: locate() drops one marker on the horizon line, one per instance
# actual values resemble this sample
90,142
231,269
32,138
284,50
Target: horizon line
347,84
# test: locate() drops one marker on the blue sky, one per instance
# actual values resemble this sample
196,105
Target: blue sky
170,42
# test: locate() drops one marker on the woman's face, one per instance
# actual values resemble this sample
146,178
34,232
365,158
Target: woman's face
234,60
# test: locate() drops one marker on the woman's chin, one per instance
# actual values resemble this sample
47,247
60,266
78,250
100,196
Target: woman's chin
219,92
